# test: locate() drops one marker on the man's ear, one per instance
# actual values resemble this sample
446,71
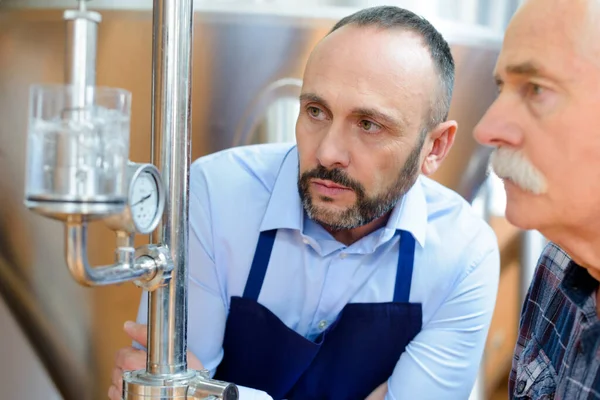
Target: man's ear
437,146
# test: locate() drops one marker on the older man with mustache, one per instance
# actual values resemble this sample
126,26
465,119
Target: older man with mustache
544,125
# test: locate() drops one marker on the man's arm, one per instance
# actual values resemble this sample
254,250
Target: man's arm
207,305
444,358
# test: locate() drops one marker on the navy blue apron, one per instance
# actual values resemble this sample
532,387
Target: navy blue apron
347,361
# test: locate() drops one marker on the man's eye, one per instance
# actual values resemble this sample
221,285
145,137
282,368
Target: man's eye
535,89
369,126
314,111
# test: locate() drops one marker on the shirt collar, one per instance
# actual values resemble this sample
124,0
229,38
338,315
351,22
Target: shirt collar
579,286
285,211
410,214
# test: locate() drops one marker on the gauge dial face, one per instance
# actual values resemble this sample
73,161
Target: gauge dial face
144,201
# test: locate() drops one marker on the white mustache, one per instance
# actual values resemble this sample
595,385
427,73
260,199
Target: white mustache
512,164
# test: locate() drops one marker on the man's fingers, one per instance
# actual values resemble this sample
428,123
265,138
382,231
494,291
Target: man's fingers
114,393
129,359
193,362
137,332
117,379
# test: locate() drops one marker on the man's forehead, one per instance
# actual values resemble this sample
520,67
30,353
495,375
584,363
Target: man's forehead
392,57
569,27
384,45
540,41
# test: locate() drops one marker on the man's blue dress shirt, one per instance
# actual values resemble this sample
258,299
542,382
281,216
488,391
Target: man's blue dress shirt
237,193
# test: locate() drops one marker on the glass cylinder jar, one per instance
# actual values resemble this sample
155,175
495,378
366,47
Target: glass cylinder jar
77,148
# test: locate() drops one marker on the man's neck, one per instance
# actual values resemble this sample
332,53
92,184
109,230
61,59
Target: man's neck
582,245
349,236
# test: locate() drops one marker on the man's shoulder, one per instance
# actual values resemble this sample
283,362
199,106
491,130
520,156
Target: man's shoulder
443,201
547,319
549,273
459,222
459,242
241,168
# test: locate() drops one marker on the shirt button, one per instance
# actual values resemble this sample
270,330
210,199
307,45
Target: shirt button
521,387
322,325
343,255
305,240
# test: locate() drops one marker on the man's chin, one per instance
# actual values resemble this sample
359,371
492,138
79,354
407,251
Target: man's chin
331,224
521,215
325,215
329,216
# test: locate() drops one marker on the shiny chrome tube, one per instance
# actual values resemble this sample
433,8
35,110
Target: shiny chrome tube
81,44
126,268
204,388
171,110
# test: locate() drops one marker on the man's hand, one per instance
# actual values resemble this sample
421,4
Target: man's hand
129,358
379,393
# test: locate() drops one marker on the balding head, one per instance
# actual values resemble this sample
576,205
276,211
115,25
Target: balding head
365,121
399,19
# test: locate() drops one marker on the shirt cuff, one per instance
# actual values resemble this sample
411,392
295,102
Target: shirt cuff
247,393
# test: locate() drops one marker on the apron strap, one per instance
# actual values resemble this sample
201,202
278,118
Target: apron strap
406,258
260,263
266,240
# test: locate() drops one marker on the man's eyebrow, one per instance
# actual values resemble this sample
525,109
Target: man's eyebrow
528,68
312,97
525,69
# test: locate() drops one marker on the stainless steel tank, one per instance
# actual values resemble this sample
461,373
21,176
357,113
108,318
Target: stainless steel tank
247,67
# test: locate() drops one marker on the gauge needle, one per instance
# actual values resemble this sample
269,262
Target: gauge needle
142,199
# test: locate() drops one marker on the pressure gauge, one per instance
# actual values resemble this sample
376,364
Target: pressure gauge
145,201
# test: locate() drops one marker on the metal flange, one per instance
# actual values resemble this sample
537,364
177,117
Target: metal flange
191,385
164,265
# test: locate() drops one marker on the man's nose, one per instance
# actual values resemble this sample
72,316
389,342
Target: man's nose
499,126
333,151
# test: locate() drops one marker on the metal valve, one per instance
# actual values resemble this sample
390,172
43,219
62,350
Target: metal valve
205,388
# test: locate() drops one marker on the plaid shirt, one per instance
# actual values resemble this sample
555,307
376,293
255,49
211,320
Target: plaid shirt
557,355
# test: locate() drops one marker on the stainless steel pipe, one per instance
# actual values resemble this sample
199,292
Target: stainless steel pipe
167,375
126,268
171,111
81,45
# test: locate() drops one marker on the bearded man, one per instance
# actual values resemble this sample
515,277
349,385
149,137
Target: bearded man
334,268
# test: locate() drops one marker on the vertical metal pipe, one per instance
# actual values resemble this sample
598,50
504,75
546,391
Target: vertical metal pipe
80,75
81,40
171,101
